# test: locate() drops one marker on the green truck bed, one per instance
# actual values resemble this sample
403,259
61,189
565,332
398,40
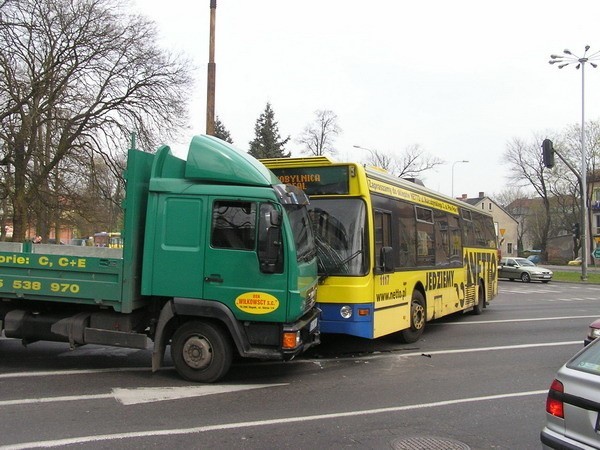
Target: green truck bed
85,275
62,273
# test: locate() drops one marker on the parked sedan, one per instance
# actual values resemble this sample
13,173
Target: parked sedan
593,332
575,262
523,269
573,403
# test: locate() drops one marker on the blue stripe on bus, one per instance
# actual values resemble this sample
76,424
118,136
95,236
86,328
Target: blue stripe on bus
332,322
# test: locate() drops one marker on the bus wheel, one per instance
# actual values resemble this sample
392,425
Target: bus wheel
478,308
201,352
417,319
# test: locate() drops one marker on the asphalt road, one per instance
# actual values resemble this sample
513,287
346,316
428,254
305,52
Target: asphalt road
475,382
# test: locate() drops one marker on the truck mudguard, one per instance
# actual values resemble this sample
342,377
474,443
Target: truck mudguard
191,307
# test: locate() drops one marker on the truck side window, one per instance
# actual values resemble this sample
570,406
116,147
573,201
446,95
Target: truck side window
233,225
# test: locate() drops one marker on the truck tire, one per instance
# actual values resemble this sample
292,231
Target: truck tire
417,319
201,351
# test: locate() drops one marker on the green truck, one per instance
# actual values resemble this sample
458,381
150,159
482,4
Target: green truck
218,258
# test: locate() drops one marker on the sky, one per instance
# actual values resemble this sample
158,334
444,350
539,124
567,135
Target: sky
458,78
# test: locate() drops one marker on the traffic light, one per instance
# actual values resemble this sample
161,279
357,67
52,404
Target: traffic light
575,230
548,153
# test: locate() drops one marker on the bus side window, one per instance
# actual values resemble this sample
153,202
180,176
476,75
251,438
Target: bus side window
383,237
456,255
425,237
442,238
407,245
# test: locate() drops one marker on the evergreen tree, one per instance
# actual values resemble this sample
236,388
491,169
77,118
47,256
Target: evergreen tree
267,142
221,132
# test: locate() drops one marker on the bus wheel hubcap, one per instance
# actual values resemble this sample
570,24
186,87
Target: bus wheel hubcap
418,316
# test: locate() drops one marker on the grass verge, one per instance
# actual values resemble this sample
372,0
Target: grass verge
575,277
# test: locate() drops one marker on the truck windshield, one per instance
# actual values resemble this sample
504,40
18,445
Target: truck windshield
301,229
339,227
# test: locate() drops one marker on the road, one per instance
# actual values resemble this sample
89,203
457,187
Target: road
471,382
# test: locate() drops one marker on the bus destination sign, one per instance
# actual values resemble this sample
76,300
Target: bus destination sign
316,180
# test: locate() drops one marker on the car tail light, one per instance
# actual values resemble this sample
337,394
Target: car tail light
554,403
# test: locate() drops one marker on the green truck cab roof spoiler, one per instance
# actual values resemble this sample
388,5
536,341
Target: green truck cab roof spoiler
211,159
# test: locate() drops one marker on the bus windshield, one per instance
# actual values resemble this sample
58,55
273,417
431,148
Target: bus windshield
339,228
303,235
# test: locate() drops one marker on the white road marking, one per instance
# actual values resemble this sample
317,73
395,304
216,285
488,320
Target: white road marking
260,423
400,355
159,394
318,360
51,373
538,319
147,395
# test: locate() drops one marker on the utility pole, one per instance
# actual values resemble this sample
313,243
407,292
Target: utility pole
211,78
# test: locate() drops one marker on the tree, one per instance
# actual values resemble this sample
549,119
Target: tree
221,132
569,146
267,142
318,136
411,163
76,76
527,169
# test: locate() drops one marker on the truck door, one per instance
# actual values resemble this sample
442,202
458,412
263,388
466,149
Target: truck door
233,273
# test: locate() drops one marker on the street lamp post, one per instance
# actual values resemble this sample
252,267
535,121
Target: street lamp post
211,75
453,164
568,58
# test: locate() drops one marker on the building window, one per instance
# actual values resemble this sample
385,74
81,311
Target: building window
490,208
509,248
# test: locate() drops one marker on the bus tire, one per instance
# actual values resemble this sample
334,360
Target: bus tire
201,351
417,319
478,308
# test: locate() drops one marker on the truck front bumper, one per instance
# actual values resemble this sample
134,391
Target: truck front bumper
307,332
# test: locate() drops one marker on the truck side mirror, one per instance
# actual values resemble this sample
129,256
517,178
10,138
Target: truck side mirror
275,218
270,248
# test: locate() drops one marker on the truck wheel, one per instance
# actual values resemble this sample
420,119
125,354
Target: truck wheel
417,319
201,352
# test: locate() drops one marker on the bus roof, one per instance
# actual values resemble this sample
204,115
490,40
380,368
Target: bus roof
374,173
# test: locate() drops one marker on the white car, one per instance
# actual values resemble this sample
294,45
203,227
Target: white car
573,403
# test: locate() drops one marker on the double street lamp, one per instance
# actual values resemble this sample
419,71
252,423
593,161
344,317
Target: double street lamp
564,60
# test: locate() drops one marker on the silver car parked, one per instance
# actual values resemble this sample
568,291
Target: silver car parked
523,269
573,403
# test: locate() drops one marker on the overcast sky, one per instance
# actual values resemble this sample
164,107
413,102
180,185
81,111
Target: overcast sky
460,78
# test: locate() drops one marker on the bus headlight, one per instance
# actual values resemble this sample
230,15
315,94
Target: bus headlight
346,312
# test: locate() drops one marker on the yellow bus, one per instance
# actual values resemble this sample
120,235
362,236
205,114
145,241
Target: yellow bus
392,253
111,240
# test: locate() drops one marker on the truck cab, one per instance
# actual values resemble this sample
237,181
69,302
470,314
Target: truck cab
218,258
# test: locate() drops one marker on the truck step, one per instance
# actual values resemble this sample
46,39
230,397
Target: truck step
115,338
